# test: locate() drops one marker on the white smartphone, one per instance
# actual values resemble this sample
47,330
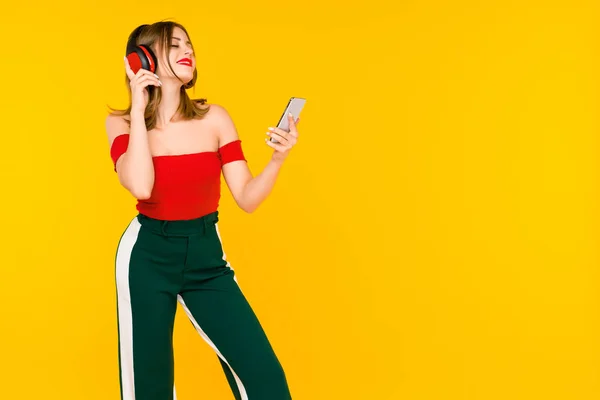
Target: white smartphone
294,106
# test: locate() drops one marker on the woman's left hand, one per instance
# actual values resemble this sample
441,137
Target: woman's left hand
286,140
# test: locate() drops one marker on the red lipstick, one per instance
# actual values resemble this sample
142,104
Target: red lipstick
185,61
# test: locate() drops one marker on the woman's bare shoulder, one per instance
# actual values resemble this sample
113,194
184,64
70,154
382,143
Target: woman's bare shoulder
220,119
216,112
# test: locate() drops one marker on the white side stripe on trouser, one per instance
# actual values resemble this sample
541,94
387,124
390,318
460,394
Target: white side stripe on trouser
123,260
211,344
124,308
224,256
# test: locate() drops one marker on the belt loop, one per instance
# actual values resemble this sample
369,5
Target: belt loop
163,225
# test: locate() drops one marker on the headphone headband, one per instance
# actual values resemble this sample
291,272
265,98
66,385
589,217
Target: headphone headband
131,41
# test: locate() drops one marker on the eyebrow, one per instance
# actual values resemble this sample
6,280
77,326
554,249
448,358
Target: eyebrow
188,42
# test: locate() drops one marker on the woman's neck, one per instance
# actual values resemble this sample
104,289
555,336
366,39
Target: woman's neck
169,103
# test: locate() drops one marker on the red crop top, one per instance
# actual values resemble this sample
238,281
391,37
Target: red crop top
186,186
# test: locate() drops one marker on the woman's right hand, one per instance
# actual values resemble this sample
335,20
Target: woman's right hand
138,83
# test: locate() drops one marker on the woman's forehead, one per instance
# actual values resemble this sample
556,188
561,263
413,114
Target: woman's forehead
178,33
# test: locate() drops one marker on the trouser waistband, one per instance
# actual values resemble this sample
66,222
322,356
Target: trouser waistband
180,227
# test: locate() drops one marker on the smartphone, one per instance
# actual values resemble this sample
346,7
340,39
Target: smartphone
294,106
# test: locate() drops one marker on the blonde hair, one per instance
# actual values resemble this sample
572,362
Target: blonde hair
159,36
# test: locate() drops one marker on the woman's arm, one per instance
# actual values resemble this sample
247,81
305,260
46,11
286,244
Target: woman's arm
249,194
134,168
247,190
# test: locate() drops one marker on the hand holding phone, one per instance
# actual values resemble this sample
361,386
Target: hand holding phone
294,106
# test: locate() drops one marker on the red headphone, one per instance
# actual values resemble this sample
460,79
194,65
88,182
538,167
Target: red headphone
139,56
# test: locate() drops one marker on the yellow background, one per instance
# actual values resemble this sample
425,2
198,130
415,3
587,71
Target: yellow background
433,236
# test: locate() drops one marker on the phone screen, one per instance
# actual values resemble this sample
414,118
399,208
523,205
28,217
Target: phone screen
294,106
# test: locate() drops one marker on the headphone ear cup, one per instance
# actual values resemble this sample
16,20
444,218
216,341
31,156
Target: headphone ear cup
135,62
141,57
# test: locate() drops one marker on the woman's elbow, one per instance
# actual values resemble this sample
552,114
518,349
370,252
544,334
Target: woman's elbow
249,208
140,193
143,192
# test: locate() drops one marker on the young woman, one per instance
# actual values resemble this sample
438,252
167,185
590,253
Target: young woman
169,152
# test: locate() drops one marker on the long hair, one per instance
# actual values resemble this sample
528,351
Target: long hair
159,36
